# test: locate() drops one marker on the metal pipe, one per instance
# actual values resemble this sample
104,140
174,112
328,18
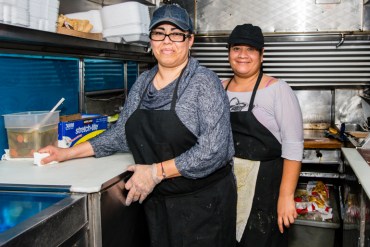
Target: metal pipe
100,92
81,77
341,41
125,80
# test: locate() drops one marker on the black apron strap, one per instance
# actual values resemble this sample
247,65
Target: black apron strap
255,91
227,86
175,95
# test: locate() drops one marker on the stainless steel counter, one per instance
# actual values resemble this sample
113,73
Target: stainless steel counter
356,227
359,166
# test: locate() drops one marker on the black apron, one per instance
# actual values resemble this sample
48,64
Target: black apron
253,141
181,211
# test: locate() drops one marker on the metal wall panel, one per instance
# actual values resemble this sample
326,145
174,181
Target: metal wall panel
103,75
217,16
366,21
301,60
34,83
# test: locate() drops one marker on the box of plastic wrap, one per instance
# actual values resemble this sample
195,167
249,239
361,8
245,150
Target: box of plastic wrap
77,128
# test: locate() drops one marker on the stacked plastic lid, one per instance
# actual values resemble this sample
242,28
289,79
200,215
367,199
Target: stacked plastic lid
44,14
37,14
126,22
15,12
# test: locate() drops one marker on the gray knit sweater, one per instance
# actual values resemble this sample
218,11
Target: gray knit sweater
202,106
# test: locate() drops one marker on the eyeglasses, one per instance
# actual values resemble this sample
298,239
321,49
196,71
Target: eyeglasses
175,37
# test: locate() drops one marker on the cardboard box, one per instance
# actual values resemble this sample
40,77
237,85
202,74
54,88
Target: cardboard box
95,36
77,128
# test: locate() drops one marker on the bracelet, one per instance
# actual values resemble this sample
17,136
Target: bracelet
157,179
163,172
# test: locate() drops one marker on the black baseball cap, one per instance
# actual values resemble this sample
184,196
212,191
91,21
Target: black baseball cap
247,34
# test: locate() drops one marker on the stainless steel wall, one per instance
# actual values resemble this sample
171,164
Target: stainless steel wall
220,16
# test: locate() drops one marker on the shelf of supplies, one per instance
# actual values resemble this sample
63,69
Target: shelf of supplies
15,39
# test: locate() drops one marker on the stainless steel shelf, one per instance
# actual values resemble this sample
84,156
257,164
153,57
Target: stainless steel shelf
313,174
14,39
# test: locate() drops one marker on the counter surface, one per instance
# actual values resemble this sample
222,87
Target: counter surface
359,167
322,143
86,175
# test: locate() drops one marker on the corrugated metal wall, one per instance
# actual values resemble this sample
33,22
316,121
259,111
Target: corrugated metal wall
301,60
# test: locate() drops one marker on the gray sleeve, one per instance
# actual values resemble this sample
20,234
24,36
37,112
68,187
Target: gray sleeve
214,146
114,139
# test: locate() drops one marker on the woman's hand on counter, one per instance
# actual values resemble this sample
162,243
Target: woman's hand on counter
142,182
55,154
61,154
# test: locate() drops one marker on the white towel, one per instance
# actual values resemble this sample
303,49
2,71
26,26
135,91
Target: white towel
246,172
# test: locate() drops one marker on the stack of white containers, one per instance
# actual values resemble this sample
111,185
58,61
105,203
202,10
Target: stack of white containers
14,12
44,14
37,14
126,22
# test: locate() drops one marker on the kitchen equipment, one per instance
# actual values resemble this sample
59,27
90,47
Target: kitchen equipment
29,218
318,233
365,103
16,207
357,134
321,155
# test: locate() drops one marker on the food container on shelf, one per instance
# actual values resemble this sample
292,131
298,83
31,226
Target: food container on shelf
29,131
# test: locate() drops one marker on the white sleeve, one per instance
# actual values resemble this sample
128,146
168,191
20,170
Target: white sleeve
289,119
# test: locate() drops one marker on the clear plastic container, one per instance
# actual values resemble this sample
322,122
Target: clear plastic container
29,131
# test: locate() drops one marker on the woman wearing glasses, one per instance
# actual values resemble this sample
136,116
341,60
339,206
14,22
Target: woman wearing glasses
176,124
